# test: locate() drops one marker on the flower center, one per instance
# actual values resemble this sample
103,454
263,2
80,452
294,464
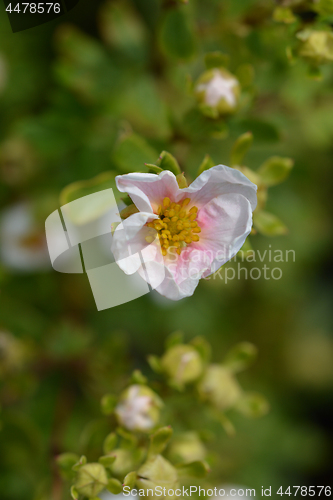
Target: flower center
177,227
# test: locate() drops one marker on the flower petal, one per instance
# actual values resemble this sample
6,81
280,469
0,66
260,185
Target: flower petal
129,239
225,223
217,181
148,190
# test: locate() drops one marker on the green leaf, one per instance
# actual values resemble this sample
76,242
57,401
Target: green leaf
67,460
108,404
159,440
114,486
253,405
127,200
203,347
129,440
176,35
153,169
138,378
216,59
110,443
154,363
240,357
182,181
275,170
175,338
82,461
168,162
240,148
128,211
74,493
107,460
268,224
206,164
130,479
198,469
132,152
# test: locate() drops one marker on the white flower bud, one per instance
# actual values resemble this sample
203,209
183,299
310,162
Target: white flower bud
182,363
218,90
139,408
220,387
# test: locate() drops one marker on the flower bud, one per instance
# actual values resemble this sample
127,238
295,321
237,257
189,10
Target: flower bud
91,479
219,387
187,447
317,46
139,408
218,92
125,462
182,363
157,471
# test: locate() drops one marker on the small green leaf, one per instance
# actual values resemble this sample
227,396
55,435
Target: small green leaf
253,405
240,148
128,211
198,469
138,378
275,170
114,486
175,338
108,404
74,493
153,169
203,347
268,224
81,461
127,200
168,162
176,35
216,60
155,364
159,440
240,357
182,181
129,440
130,479
206,164
110,443
107,460
66,461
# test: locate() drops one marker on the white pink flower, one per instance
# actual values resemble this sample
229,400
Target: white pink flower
184,234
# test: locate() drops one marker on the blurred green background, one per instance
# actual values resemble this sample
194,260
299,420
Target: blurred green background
107,88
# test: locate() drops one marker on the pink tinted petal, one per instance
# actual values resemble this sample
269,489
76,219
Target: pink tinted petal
148,190
225,223
217,181
176,291
129,239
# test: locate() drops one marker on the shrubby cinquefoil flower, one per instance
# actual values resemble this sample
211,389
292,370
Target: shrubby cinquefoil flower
218,90
189,233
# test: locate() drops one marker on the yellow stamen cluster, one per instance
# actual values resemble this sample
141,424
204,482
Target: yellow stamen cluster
176,226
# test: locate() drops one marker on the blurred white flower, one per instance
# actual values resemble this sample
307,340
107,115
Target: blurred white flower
138,409
23,244
219,87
